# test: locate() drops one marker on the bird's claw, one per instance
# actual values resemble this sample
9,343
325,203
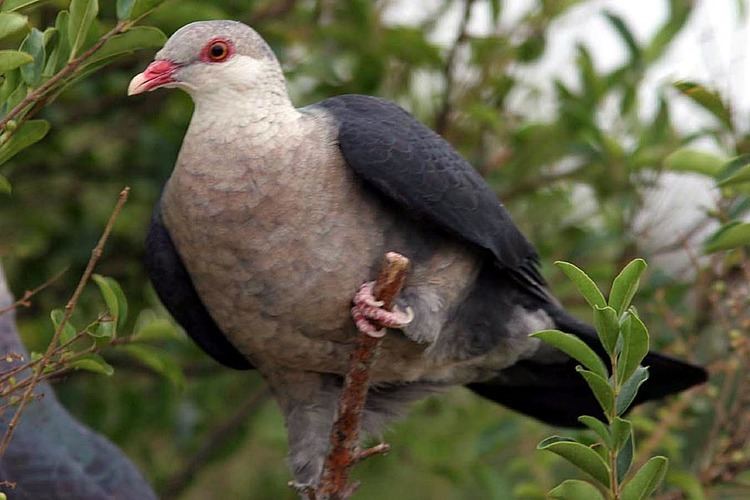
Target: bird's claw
370,317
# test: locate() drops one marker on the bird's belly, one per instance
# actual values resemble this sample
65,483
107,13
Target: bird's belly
276,268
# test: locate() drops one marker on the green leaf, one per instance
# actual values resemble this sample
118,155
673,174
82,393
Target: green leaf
575,348
625,458
583,283
629,389
573,489
11,23
634,346
11,5
142,7
599,427
694,161
103,330
646,480
113,296
627,36
5,186
33,45
27,134
607,327
708,100
124,8
579,455
140,37
93,363
600,387
625,285
732,235
62,52
82,15
12,59
735,171
68,332
621,431
158,362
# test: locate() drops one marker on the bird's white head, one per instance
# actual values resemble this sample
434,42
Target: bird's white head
215,61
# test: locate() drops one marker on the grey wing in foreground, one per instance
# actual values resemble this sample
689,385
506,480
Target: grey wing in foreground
176,291
422,173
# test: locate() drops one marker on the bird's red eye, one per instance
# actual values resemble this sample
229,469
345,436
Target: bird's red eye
217,51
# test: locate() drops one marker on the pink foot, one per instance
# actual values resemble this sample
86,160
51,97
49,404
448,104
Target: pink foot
370,317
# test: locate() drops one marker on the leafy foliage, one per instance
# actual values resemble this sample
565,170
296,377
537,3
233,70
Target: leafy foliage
575,179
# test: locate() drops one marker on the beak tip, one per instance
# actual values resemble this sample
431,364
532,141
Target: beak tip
136,85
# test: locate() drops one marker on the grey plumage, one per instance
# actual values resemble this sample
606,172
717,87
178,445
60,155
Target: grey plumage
280,214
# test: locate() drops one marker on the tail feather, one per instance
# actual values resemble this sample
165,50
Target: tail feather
554,393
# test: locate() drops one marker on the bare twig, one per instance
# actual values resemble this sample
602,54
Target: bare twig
96,254
345,433
442,120
28,294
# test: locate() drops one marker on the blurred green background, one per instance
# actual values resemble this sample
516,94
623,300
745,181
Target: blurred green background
579,179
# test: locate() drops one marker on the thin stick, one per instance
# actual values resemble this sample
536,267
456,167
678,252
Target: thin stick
28,294
96,254
345,432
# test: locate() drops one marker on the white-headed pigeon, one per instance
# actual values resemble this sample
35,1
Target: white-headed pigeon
274,217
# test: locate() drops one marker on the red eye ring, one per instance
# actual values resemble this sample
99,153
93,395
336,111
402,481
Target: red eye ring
217,50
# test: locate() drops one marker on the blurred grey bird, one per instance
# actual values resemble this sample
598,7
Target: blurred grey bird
275,218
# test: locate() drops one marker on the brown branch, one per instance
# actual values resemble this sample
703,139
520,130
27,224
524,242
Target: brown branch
442,120
96,254
28,294
344,451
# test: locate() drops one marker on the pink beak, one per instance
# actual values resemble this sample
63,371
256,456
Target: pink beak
158,74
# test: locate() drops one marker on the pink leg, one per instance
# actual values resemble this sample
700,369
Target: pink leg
371,318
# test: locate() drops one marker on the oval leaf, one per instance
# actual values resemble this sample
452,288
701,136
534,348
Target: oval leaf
629,389
646,480
625,285
68,332
601,389
732,235
29,133
158,362
11,23
93,363
634,346
33,45
709,100
607,327
579,455
625,458
575,348
143,7
82,15
583,283
694,161
621,431
573,489
12,59
124,9
112,298
599,427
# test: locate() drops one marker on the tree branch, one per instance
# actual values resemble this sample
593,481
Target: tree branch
96,254
344,452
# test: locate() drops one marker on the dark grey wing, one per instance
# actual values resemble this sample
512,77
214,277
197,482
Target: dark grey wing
415,167
176,291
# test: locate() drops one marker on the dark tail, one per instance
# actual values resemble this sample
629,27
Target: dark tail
554,393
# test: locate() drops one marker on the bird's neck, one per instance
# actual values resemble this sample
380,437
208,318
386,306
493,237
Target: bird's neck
218,113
